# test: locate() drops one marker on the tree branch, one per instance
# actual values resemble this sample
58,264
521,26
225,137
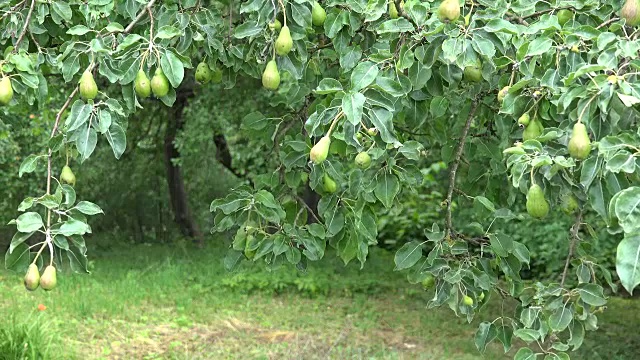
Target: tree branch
139,17
456,162
575,230
607,23
26,25
403,13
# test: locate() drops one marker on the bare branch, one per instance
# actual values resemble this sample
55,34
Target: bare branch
456,162
139,17
575,237
26,25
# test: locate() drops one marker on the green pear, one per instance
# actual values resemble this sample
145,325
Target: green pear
318,14
271,76
449,10
67,176
467,300
203,73
428,282
328,184
6,91
216,75
533,130
284,42
275,25
393,11
537,205
564,16
142,85
524,119
159,84
569,204
320,150
472,74
579,145
48,281
503,93
363,160
88,86
32,278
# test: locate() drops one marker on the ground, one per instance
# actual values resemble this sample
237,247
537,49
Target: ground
153,302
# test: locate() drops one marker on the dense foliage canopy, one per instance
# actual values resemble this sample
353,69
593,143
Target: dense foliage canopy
531,105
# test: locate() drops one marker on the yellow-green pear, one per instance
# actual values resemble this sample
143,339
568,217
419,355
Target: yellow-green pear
537,205
6,91
88,86
284,42
467,300
564,16
524,119
318,14
32,278
49,280
630,12
393,11
503,93
449,10
363,160
472,74
67,176
320,150
579,145
569,204
142,85
271,76
275,25
159,84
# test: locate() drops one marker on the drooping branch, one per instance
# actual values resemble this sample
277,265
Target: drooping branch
575,237
456,163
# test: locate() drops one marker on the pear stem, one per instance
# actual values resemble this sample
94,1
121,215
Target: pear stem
284,12
335,121
586,107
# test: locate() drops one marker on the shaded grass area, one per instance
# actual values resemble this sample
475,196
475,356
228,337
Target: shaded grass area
157,302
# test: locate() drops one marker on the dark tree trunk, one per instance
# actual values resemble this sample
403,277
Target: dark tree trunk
177,191
311,198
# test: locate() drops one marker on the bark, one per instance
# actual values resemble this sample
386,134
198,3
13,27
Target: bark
177,192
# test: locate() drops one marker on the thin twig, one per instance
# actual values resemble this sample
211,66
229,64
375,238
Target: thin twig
26,25
308,208
139,17
607,23
456,162
403,13
575,230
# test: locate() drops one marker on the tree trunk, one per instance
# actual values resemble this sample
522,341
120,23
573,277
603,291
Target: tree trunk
177,191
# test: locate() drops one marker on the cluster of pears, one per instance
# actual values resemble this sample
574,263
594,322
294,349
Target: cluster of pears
6,91
67,176
532,127
284,44
319,153
205,74
449,10
47,281
158,85
630,12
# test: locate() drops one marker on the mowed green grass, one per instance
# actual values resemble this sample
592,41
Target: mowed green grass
160,302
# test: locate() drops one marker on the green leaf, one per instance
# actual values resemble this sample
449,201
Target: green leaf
18,239
592,294
19,259
29,164
247,29
561,318
328,86
505,335
387,187
117,138
525,354
172,68
484,335
408,255
78,30
382,119
628,261
29,222
363,75
501,244
168,32
88,208
74,227
352,106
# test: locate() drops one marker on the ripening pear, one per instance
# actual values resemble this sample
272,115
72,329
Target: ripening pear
372,131
275,25
449,10
6,91
533,130
503,93
142,85
467,300
569,204
271,76
524,119
318,14
284,42
537,205
67,176
328,184
472,74
393,11
159,84
203,73
48,281
216,75
320,150
88,86
631,12
579,144
32,278
428,282
363,160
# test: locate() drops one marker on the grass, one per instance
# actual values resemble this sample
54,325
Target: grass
153,302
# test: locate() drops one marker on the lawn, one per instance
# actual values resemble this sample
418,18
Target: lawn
153,302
